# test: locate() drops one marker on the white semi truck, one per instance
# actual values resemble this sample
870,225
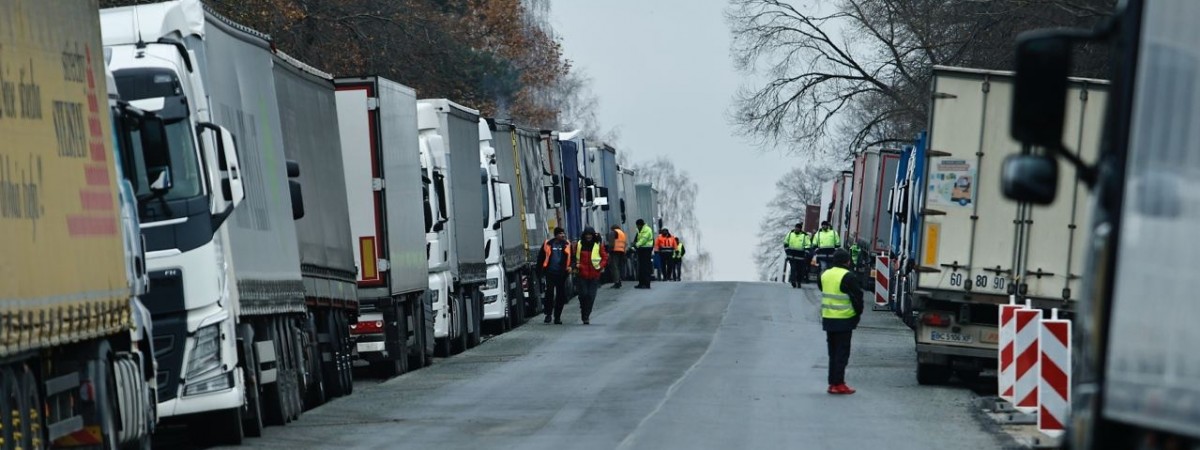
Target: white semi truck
499,305
384,195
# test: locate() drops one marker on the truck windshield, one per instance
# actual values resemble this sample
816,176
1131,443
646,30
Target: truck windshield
150,155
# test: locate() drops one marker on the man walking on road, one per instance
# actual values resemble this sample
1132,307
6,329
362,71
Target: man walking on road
796,245
592,261
841,308
556,265
617,245
645,246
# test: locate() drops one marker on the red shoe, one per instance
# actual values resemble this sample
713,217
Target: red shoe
845,389
833,389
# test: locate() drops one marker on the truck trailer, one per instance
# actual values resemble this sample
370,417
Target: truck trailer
71,325
975,249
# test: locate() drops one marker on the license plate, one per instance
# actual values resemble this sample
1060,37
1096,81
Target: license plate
370,347
951,337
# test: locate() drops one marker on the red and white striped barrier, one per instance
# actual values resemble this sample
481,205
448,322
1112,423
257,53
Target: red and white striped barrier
1007,371
1028,355
1054,389
882,278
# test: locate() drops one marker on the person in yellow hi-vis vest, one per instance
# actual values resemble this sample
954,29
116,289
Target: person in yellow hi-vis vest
645,246
841,308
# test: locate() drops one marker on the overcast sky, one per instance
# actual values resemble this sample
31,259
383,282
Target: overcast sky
663,74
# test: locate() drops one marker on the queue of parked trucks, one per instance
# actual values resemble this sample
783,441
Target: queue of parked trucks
245,227
1107,242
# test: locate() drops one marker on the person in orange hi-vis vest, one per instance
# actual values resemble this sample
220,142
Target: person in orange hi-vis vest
617,243
556,265
664,246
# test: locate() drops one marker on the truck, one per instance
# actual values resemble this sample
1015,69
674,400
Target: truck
870,225
1134,340
518,162
906,227
975,249
605,195
451,143
647,203
384,190
229,302
630,212
76,348
571,148
499,298
309,117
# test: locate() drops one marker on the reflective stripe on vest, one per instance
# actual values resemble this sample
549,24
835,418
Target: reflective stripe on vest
619,243
595,253
835,304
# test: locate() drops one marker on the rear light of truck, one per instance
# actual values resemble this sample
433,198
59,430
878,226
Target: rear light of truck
367,327
935,319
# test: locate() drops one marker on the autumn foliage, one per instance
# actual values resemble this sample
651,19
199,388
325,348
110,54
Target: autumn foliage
487,54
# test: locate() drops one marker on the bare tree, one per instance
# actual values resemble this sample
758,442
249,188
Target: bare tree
677,195
795,190
846,75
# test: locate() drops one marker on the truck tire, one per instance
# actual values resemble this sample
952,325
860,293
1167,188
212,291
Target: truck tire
932,374
9,401
220,428
253,418
518,310
315,394
398,362
459,319
275,395
416,354
32,428
475,337
346,352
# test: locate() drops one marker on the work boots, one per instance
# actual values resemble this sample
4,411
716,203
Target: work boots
841,389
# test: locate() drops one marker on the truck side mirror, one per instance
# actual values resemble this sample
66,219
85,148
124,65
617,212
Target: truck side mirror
1043,60
229,171
554,196
1030,178
294,188
506,201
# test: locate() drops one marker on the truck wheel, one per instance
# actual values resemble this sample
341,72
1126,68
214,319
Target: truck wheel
416,355
9,400
518,309
274,394
398,363
459,318
312,350
476,317
346,351
31,426
932,374
220,428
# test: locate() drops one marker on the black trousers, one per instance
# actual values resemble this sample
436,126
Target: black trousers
616,266
645,265
587,297
556,294
839,355
677,267
666,261
798,262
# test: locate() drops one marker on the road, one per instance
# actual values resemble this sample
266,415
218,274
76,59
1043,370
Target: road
683,365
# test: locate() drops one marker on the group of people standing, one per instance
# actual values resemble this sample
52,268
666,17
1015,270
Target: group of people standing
803,250
592,255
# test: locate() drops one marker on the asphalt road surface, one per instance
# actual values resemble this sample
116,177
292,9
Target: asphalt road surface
681,366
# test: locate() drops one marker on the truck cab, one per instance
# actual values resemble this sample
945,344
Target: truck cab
446,324
497,306
186,187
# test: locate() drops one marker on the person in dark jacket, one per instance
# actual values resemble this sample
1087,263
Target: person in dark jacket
556,265
841,308
592,260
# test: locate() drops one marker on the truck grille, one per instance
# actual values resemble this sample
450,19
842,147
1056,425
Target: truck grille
170,334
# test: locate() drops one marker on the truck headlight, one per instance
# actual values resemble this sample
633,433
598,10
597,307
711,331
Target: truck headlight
218,383
492,283
434,296
206,351
490,299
